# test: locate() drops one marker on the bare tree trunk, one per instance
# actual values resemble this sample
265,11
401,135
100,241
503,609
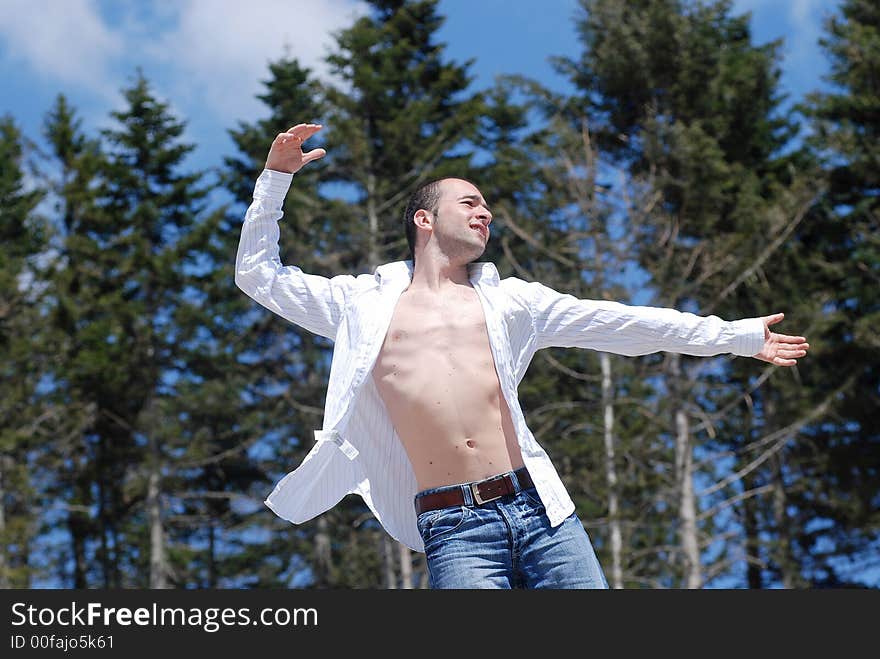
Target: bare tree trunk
104,519
688,505
421,572
784,558
611,474
373,219
687,508
752,541
406,568
77,524
782,527
212,555
323,557
158,557
4,562
388,556
79,559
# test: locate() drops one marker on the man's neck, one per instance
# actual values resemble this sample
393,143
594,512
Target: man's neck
436,276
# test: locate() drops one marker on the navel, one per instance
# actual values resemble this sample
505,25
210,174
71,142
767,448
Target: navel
470,443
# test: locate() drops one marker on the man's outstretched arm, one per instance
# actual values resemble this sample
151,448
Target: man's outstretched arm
313,302
562,320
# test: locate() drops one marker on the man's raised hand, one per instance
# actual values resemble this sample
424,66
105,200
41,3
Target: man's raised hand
781,349
286,154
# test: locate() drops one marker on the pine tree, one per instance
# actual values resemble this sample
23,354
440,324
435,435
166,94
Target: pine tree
129,320
397,120
564,231
71,458
687,104
191,453
286,369
22,238
836,506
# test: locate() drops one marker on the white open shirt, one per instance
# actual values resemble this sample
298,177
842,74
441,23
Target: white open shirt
358,450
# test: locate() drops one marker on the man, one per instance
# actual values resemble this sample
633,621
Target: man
422,418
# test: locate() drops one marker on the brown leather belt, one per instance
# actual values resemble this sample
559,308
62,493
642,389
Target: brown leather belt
481,492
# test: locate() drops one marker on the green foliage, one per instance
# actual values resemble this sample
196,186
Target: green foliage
286,369
400,117
843,515
21,237
684,101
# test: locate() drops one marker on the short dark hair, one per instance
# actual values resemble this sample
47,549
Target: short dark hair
426,197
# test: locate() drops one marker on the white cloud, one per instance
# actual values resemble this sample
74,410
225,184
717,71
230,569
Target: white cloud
801,24
809,13
210,56
63,42
806,62
221,50
807,17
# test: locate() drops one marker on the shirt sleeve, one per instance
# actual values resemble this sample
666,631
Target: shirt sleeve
313,302
562,320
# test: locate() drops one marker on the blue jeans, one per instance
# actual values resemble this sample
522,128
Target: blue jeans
506,543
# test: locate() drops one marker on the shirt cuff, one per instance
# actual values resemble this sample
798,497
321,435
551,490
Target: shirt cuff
749,339
273,185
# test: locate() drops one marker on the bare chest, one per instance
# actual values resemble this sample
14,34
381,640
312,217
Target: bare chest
426,331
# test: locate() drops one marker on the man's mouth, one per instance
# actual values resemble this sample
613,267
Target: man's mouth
483,230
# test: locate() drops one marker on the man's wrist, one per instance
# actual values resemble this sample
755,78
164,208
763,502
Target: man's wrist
750,337
273,185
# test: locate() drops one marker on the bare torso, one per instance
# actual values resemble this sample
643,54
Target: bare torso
436,375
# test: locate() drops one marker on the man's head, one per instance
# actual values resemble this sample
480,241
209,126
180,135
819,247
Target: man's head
450,217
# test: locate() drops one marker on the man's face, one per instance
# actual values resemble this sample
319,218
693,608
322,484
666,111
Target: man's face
461,225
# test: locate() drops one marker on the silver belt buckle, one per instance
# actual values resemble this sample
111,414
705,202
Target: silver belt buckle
476,492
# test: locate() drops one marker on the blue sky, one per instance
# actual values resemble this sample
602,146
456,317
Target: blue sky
207,57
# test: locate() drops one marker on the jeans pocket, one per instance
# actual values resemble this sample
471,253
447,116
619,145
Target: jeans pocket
434,524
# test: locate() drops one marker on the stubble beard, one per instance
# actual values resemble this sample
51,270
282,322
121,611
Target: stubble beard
464,248
464,251
461,247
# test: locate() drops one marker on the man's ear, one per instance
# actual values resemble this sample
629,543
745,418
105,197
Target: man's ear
423,219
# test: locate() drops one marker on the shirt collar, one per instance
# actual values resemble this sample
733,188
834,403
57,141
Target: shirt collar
482,272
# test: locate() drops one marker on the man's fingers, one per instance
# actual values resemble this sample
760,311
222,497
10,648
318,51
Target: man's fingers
774,318
304,131
314,154
784,362
286,154
301,127
785,338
